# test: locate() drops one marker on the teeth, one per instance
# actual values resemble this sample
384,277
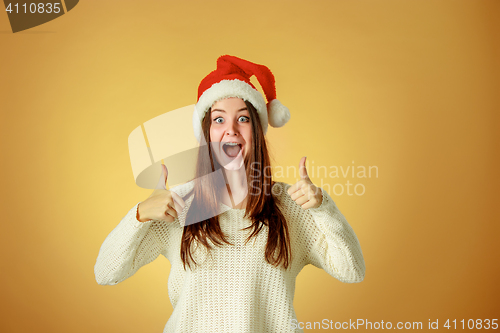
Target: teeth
231,143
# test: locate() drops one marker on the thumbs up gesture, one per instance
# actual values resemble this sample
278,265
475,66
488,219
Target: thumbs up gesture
304,192
162,205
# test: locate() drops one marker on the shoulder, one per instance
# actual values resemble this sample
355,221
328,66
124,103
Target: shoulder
280,193
183,189
279,187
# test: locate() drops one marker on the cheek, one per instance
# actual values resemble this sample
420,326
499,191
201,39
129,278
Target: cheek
248,136
214,134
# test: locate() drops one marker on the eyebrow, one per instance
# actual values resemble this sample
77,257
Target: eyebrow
220,110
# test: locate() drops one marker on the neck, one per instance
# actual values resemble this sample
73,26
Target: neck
237,187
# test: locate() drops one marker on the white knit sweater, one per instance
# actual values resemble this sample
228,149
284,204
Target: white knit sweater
234,289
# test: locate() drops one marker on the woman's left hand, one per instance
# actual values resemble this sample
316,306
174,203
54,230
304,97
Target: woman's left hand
304,192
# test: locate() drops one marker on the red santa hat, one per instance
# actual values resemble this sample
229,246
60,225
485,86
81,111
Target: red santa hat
232,79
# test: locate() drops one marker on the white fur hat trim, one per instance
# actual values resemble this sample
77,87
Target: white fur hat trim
230,88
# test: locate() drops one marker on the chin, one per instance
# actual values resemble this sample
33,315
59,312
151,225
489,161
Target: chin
235,164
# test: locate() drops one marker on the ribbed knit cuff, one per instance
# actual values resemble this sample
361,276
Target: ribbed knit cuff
327,216
132,217
326,201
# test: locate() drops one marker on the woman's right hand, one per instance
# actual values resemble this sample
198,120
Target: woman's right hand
162,205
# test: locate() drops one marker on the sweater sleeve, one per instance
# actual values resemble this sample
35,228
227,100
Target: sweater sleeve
131,245
335,247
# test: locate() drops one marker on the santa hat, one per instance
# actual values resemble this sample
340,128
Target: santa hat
232,79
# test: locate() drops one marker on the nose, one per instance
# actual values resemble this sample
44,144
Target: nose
232,129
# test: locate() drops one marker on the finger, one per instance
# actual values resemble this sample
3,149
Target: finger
302,168
171,211
302,200
167,218
162,182
297,194
178,202
297,186
308,204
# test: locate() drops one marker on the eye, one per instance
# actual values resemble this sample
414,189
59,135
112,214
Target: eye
219,120
243,119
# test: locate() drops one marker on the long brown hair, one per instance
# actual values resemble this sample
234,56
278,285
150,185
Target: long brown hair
261,208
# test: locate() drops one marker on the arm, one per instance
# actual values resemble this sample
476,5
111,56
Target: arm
131,245
330,242
335,246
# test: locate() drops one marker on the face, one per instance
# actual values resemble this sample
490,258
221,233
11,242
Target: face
231,132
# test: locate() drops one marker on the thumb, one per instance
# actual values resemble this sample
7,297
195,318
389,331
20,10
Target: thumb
162,182
302,168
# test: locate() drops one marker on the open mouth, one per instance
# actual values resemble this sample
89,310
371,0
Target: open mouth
232,149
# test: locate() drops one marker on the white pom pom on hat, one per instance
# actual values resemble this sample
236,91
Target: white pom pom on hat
279,114
232,79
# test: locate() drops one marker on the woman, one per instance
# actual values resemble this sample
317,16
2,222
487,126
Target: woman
235,239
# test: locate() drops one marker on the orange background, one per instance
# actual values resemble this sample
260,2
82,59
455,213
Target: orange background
411,87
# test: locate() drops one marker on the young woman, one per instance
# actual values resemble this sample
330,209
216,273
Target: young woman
236,239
